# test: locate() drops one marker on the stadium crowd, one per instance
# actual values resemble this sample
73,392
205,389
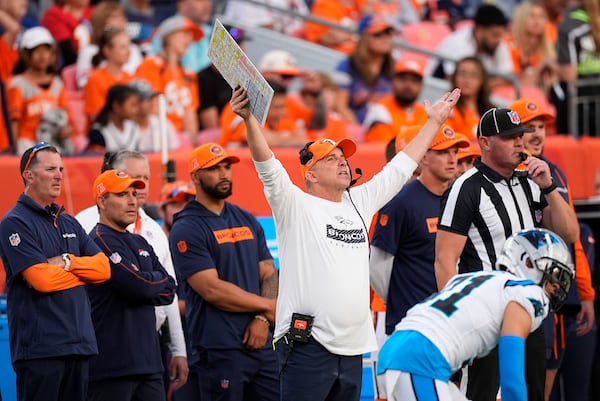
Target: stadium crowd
83,77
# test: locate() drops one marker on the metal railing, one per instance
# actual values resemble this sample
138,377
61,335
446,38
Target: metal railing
584,107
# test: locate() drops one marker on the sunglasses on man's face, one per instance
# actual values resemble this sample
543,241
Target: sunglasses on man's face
36,148
287,77
385,32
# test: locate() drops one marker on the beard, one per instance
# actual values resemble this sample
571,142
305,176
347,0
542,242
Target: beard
404,100
487,49
215,192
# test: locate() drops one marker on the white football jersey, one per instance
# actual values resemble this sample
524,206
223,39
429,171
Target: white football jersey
464,319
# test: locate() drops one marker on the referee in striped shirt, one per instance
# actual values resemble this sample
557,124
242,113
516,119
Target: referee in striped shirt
485,206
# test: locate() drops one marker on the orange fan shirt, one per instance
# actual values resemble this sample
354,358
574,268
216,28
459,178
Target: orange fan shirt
233,128
296,110
336,128
96,89
385,118
519,62
334,11
8,58
465,124
179,86
27,102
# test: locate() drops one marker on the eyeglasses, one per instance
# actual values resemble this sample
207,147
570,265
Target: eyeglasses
35,149
173,194
385,32
286,77
306,92
176,192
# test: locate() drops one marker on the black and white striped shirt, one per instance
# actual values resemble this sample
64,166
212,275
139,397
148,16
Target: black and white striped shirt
487,208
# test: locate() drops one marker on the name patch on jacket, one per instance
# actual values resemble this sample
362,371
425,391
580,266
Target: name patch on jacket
432,224
236,234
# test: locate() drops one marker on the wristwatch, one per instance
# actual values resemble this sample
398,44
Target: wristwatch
67,259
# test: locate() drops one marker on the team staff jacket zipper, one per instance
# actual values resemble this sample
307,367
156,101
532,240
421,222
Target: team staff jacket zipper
48,308
123,307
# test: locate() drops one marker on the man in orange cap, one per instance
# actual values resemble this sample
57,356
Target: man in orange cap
466,158
576,319
398,223
323,320
173,197
220,251
129,364
385,117
403,242
136,165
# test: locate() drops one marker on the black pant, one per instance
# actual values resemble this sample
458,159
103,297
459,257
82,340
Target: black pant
128,388
309,372
237,374
483,380
51,379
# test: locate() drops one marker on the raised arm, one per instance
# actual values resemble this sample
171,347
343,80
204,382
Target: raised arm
437,113
259,148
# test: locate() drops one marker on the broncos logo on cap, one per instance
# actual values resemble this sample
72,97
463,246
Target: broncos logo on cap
327,140
101,188
216,150
448,132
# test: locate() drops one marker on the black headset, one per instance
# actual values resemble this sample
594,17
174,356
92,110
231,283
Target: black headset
305,154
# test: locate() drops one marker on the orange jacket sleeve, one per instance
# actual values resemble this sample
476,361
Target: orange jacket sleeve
91,269
150,71
194,92
44,277
583,276
63,102
328,10
233,128
8,58
92,102
15,103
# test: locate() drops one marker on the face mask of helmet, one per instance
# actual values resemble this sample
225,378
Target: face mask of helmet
556,273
